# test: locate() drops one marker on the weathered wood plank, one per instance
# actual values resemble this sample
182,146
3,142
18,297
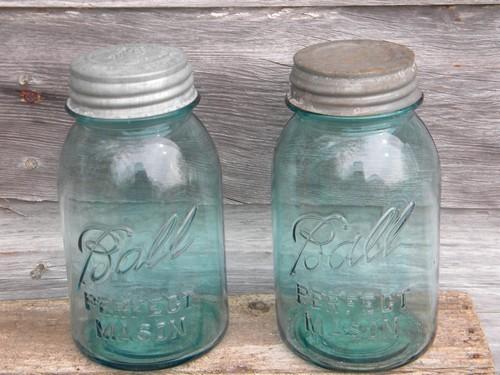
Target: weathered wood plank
32,259
226,3
241,59
492,321
35,338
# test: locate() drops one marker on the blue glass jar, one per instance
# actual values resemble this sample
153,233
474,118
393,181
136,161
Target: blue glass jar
355,201
141,204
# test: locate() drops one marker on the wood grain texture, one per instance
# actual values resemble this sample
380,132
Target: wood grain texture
225,3
242,60
35,338
32,259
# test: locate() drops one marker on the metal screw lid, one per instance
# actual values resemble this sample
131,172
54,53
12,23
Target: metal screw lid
130,81
354,78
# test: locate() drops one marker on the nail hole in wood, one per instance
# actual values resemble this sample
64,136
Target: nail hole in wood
38,271
30,96
31,163
259,306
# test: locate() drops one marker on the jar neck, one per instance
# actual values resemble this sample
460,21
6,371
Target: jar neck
153,124
357,123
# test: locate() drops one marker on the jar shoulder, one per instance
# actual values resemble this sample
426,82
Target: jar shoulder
157,161
184,134
308,139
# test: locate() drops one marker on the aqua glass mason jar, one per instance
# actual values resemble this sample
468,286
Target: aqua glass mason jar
355,201
141,204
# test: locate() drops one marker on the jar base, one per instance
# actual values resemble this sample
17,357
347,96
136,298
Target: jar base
330,358
150,365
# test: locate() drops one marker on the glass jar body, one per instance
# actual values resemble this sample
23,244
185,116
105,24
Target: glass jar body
142,213
356,239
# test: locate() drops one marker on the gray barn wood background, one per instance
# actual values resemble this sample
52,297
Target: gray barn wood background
241,52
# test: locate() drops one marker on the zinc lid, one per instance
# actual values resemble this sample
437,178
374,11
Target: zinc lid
354,78
130,81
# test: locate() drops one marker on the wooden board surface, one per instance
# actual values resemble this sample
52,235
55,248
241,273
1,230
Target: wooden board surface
32,259
241,59
225,3
35,338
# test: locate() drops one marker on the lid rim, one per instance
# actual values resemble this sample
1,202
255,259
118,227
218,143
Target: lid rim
291,104
326,78
131,112
130,81
86,118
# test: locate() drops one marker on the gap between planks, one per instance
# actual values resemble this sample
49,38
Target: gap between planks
228,3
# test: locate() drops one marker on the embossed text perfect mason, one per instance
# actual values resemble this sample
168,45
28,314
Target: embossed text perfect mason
141,202
355,201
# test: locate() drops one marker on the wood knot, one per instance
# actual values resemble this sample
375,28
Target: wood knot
31,163
242,369
259,306
38,271
475,355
